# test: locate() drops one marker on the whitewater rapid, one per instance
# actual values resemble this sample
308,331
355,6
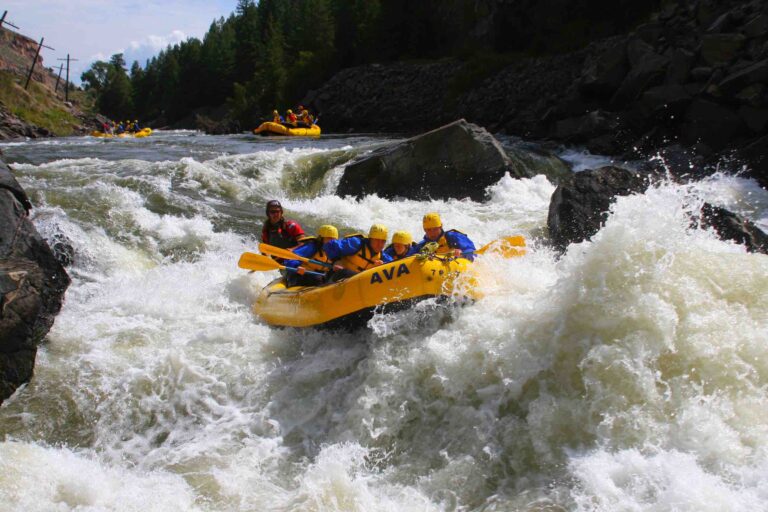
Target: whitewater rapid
628,374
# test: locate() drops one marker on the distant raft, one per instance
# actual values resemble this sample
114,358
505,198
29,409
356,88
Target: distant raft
270,128
144,132
394,284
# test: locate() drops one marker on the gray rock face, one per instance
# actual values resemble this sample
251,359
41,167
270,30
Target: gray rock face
730,226
579,206
32,286
457,160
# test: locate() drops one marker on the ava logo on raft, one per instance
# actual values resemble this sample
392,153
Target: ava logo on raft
390,273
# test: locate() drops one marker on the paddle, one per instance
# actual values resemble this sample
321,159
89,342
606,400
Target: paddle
508,247
252,261
277,252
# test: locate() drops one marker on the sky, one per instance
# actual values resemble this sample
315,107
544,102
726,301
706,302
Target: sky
91,30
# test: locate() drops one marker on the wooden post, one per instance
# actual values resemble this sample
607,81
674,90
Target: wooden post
32,67
58,78
66,83
2,20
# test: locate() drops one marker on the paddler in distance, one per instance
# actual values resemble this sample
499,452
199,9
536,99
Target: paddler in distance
356,253
312,248
450,242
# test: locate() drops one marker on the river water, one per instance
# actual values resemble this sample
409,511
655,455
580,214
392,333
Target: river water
629,374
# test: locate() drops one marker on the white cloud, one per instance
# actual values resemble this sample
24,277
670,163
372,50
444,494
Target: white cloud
150,46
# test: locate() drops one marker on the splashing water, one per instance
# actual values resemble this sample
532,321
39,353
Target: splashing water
630,374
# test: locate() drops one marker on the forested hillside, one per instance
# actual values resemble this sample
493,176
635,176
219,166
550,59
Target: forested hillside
268,54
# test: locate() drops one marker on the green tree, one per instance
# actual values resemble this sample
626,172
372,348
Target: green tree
116,99
270,82
96,77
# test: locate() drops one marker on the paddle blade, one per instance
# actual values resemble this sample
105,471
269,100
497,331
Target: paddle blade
252,261
508,247
279,253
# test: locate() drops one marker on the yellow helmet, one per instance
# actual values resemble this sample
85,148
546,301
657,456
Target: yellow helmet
275,112
402,237
289,111
432,220
328,231
378,231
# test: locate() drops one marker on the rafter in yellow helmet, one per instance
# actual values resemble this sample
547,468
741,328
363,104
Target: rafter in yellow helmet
432,220
328,231
378,231
402,237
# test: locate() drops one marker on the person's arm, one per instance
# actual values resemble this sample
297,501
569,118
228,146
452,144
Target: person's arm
336,249
295,230
461,242
386,257
305,251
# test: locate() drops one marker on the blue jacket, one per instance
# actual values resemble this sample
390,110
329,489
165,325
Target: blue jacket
455,240
336,249
390,252
306,251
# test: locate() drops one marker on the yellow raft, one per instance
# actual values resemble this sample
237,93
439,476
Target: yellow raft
398,282
270,128
144,132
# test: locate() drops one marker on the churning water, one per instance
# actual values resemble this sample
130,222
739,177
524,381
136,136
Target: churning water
630,374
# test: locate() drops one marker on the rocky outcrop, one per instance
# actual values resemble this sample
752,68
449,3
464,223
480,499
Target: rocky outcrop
399,97
32,286
457,160
695,73
579,205
730,226
12,127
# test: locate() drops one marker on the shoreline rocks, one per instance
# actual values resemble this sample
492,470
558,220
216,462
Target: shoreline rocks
32,286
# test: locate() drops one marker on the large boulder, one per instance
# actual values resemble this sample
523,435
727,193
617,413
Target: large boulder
579,205
730,226
32,286
457,160
721,48
711,123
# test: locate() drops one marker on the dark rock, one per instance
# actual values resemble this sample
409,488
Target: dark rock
650,32
582,128
719,48
754,95
755,155
603,75
701,74
32,286
457,160
669,98
579,206
722,24
647,72
756,73
757,27
680,64
730,226
756,119
711,123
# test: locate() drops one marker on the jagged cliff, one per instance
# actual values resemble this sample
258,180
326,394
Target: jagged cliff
694,73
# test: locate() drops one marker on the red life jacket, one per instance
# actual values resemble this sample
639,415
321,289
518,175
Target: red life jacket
285,234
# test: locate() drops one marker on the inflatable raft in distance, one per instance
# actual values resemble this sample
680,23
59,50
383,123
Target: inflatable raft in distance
144,132
270,128
399,282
